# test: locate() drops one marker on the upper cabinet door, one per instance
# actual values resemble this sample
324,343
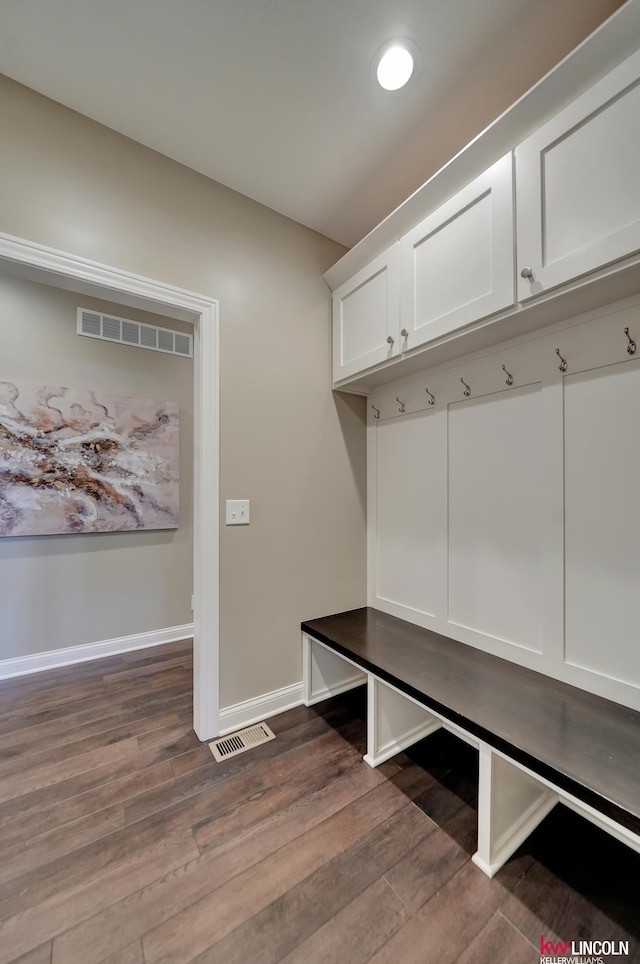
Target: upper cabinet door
365,316
458,264
578,185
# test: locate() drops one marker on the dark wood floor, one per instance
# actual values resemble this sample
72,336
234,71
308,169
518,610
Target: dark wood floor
122,841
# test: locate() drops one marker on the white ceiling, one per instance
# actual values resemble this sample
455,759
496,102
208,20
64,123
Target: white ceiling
275,98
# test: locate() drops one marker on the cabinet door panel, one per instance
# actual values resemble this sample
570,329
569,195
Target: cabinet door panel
602,524
454,243
578,188
411,511
365,315
457,265
497,516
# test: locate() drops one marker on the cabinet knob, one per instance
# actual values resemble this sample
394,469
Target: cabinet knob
404,333
389,339
527,274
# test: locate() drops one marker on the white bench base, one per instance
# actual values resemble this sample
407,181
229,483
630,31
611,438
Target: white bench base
512,800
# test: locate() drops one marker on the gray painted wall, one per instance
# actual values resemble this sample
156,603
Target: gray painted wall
69,590
287,443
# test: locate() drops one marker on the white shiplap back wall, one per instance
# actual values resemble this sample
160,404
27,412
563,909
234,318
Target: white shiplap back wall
506,518
602,521
411,513
496,516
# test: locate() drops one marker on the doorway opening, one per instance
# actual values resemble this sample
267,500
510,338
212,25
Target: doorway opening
34,262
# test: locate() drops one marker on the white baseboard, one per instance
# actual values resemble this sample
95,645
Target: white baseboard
38,662
234,717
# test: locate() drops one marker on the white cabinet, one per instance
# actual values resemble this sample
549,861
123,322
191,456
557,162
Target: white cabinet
454,268
365,316
576,212
578,185
457,266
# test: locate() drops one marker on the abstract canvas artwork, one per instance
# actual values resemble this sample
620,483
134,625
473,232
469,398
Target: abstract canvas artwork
82,461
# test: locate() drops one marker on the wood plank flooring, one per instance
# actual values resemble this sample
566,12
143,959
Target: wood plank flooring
123,842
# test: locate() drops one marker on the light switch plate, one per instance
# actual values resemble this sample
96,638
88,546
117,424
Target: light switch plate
237,512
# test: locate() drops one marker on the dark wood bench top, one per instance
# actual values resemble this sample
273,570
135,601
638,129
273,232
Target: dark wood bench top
584,744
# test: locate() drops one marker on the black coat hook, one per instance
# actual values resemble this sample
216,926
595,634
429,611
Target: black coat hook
401,404
376,411
631,347
467,390
563,365
432,398
509,378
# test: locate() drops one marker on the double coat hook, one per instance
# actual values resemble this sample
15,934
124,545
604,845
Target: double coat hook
631,347
509,378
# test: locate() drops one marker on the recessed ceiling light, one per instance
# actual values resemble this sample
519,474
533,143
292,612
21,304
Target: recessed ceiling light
394,67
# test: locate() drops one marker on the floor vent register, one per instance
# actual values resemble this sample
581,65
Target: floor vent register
235,743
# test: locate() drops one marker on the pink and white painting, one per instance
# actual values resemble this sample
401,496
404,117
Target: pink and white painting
83,461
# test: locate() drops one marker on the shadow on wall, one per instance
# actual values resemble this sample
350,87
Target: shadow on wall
352,416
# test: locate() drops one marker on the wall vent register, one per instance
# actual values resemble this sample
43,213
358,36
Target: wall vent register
93,324
240,741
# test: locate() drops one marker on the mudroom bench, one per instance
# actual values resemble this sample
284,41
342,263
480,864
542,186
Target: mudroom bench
540,741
